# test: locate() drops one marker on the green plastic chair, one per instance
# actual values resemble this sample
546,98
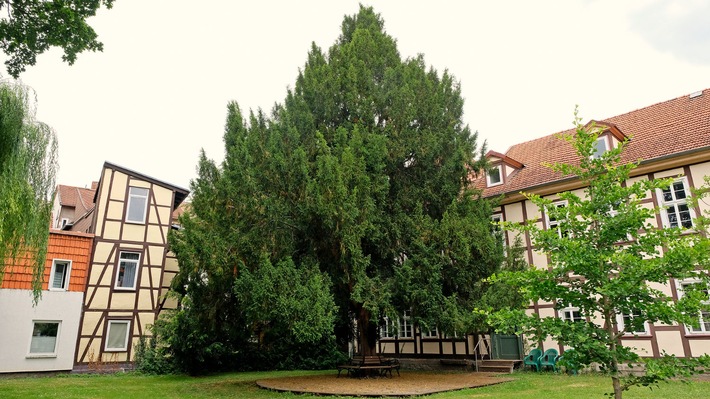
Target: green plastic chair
533,359
549,359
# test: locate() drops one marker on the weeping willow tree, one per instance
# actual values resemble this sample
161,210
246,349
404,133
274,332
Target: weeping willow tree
27,174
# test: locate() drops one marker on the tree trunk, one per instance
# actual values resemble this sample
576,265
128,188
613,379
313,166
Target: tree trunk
617,386
367,332
611,328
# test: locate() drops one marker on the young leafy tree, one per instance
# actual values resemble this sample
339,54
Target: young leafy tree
27,169
31,27
363,173
608,259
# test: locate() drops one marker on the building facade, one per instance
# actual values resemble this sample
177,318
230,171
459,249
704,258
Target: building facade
668,140
106,278
42,337
131,267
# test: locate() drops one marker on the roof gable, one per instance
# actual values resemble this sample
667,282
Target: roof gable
180,193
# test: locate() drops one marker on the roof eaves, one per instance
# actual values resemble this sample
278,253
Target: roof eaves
506,159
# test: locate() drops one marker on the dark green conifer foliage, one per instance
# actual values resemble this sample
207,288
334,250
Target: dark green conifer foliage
362,173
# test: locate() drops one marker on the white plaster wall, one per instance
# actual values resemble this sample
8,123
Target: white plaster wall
16,323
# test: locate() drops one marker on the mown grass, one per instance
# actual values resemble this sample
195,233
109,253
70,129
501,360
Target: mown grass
242,385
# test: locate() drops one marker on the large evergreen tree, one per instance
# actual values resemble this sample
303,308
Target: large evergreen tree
362,173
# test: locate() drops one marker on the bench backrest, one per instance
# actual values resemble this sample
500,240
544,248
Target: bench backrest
367,360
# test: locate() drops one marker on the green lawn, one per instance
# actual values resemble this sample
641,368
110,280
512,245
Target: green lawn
241,385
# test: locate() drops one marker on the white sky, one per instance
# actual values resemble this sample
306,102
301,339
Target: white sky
159,90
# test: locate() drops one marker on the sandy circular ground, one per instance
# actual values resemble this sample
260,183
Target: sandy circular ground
409,383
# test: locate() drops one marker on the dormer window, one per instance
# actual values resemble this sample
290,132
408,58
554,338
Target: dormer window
600,147
494,176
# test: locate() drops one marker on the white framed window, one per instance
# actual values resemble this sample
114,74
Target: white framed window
406,328
137,204
63,223
403,329
494,176
600,147
553,223
497,218
387,330
673,201
127,270
571,313
59,276
44,338
703,316
625,321
431,333
117,335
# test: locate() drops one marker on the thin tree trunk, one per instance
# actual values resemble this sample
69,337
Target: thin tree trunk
610,323
617,386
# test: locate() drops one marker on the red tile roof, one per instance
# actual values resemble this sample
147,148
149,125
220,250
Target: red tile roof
82,199
666,129
65,245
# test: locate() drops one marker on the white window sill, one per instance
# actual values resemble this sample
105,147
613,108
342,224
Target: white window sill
41,356
135,222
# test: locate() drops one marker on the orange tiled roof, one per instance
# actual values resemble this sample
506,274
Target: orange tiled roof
65,245
658,131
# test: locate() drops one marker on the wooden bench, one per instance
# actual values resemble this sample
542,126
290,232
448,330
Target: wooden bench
359,364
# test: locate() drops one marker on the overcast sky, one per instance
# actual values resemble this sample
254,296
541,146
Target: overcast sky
159,90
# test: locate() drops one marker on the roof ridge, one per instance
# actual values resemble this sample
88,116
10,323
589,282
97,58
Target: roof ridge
605,119
652,105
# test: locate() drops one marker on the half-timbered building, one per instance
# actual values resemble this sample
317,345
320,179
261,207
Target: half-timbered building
669,140
131,266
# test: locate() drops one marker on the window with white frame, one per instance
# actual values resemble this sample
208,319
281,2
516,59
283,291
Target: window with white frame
137,204
571,313
59,276
600,147
44,338
497,218
117,335
403,329
406,328
675,210
431,333
387,330
626,322
703,316
494,176
553,222
127,270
